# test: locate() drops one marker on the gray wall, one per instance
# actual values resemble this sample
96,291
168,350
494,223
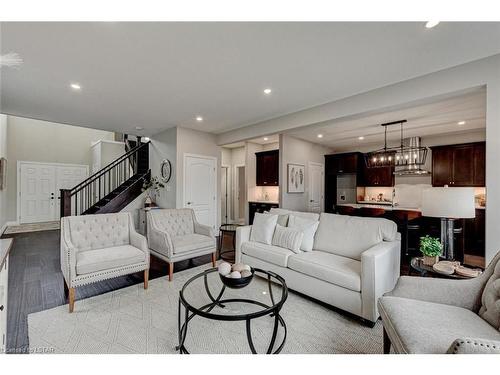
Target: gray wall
297,151
164,146
42,141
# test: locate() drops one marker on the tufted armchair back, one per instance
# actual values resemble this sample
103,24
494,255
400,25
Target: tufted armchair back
490,309
91,232
176,222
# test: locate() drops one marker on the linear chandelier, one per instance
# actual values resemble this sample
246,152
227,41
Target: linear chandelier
409,156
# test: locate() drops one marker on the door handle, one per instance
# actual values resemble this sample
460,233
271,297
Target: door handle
188,203
312,200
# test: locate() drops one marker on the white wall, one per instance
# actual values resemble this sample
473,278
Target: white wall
297,151
42,141
3,154
164,146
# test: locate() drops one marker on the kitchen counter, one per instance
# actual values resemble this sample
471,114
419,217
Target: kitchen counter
387,206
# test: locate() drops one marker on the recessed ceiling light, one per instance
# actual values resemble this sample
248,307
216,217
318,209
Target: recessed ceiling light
76,86
431,24
361,138
199,118
266,139
267,91
320,135
139,128
461,123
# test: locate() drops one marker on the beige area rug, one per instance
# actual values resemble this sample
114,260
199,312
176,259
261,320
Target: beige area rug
134,320
35,227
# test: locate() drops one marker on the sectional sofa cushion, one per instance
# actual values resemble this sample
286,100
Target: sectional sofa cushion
338,270
263,228
308,227
269,253
305,215
288,238
350,236
91,261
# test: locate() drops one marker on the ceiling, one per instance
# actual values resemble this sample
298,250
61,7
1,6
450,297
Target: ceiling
265,140
160,75
437,118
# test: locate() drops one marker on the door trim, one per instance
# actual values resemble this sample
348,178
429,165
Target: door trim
217,207
229,192
18,172
236,187
322,184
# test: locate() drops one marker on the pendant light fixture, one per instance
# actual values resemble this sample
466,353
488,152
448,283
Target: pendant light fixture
410,156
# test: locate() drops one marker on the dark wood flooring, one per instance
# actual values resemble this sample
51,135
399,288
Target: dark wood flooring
36,281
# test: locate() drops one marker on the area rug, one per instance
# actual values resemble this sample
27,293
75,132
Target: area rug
134,320
35,227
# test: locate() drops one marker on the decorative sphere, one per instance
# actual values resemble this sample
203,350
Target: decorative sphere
235,275
238,267
224,268
246,273
246,267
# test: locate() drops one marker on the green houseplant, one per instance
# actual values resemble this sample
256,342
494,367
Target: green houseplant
152,188
431,248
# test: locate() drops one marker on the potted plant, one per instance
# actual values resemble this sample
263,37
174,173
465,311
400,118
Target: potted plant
431,248
152,187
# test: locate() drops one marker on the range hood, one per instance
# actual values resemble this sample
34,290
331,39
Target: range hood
413,167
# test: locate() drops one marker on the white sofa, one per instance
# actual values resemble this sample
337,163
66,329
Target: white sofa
355,260
175,235
100,247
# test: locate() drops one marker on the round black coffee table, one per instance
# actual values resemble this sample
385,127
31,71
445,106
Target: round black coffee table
246,304
225,229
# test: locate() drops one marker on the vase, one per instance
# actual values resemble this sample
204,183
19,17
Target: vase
430,261
148,201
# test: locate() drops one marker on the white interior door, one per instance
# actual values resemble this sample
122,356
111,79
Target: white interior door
239,194
39,189
200,188
316,187
224,195
37,193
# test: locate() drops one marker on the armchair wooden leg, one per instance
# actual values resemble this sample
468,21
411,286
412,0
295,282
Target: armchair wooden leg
71,299
214,264
146,278
387,342
170,271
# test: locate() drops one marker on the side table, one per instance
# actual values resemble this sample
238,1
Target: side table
224,230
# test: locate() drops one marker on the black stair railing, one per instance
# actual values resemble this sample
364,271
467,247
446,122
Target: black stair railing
100,186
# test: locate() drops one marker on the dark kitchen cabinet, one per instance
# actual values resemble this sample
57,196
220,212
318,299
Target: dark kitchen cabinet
380,176
475,234
259,207
459,165
267,168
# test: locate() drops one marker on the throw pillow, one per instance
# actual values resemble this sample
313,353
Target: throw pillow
308,227
288,238
263,228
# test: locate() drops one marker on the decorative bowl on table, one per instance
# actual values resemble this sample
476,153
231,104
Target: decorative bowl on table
236,276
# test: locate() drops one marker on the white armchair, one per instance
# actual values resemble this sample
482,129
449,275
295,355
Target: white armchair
175,235
100,247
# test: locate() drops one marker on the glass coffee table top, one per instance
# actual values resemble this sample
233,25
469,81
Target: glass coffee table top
418,265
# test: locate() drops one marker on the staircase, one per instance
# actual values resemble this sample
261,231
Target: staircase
113,187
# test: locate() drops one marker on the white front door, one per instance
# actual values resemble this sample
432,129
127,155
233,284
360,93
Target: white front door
200,188
39,189
315,187
37,193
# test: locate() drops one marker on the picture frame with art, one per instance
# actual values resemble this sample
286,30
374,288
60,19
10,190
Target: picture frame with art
296,178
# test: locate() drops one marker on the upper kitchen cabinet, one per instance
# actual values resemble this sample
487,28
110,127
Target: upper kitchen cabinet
380,176
343,163
268,166
459,165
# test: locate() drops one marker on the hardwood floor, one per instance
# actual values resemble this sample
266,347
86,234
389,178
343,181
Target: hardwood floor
36,281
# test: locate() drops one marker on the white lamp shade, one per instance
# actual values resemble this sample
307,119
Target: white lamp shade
446,202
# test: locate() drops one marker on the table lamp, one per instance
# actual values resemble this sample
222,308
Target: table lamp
448,204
